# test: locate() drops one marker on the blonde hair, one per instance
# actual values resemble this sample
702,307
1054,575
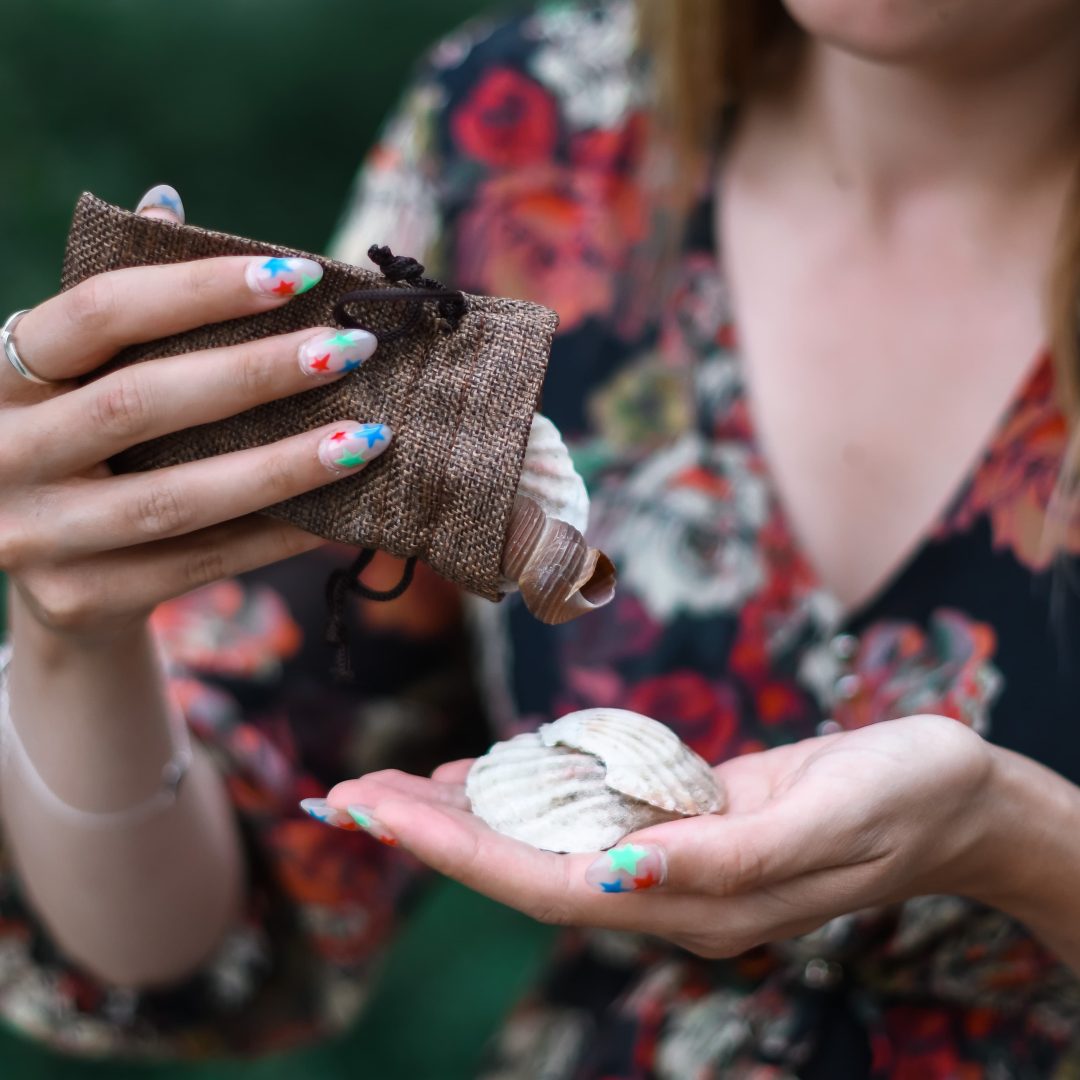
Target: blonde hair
710,54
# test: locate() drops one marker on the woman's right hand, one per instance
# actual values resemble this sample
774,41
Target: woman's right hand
90,552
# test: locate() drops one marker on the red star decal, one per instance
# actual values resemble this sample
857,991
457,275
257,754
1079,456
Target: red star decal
647,880
285,288
321,363
339,436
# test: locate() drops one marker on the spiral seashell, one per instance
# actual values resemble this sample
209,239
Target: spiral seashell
545,554
587,780
549,478
559,575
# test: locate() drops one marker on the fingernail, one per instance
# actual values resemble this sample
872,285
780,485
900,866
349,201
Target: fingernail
282,277
367,821
163,197
322,811
352,446
336,354
629,868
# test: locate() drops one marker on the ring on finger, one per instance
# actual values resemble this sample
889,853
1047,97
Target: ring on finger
7,342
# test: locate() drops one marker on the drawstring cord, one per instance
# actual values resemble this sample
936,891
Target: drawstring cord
451,306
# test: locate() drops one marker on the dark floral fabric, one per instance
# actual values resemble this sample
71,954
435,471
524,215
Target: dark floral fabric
524,162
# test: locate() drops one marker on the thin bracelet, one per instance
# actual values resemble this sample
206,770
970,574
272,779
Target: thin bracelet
171,775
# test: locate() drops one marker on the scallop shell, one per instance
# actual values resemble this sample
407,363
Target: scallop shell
545,554
585,781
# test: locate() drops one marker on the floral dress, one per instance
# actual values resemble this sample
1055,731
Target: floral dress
522,163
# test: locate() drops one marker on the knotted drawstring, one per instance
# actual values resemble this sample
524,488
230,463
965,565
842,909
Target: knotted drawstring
402,269
451,306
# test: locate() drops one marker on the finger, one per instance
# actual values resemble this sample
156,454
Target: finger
162,202
390,783
78,330
123,511
145,401
120,584
546,886
349,804
453,772
735,853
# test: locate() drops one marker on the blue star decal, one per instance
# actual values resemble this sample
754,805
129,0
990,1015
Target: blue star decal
612,886
277,266
166,200
372,432
353,365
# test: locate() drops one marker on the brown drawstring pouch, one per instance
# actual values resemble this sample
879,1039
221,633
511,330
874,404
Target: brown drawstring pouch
457,378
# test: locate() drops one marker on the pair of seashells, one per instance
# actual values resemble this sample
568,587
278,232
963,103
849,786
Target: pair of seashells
545,555
590,778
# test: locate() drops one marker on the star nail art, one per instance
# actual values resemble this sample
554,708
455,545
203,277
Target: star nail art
282,277
322,811
164,197
367,821
336,354
628,868
351,447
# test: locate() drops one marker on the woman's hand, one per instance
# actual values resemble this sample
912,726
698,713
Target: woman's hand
89,551
815,829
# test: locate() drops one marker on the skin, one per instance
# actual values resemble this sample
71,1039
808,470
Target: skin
898,201
89,555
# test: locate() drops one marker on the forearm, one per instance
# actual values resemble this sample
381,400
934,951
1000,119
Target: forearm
137,902
1034,847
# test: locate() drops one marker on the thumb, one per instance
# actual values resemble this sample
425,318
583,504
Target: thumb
162,201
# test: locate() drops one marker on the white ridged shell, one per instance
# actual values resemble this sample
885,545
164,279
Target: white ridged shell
644,758
569,786
549,476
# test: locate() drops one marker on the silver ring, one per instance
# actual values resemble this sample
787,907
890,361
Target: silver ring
14,359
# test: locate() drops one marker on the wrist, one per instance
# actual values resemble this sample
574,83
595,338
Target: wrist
1022,849
51,649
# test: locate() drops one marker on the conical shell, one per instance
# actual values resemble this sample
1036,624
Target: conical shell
549,478
545,553
559,575
544,790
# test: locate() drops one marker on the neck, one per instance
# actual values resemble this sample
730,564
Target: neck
887,130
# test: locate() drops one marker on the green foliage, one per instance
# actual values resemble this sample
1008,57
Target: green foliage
258,111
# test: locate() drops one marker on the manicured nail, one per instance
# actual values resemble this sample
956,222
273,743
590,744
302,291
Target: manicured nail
370,823
322,811
163,197
629,868
337,353
351,446
282,277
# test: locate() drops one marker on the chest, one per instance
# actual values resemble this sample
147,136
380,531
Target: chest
879,369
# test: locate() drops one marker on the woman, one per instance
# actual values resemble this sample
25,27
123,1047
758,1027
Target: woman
827,438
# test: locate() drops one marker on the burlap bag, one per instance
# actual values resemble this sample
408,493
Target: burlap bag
460,401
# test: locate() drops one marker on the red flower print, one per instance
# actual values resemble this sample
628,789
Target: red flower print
507,122
1015,481
552,235
704,714
228,627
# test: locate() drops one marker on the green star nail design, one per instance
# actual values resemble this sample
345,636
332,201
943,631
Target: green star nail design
342,340
350,460
627,858
306,283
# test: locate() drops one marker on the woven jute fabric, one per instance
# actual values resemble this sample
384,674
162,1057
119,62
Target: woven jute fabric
460,403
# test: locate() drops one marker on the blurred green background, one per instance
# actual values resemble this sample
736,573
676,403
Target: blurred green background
259,112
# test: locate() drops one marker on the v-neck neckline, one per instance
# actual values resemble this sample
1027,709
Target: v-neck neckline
707,220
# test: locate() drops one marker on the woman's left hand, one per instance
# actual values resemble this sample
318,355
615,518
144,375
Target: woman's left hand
814,830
